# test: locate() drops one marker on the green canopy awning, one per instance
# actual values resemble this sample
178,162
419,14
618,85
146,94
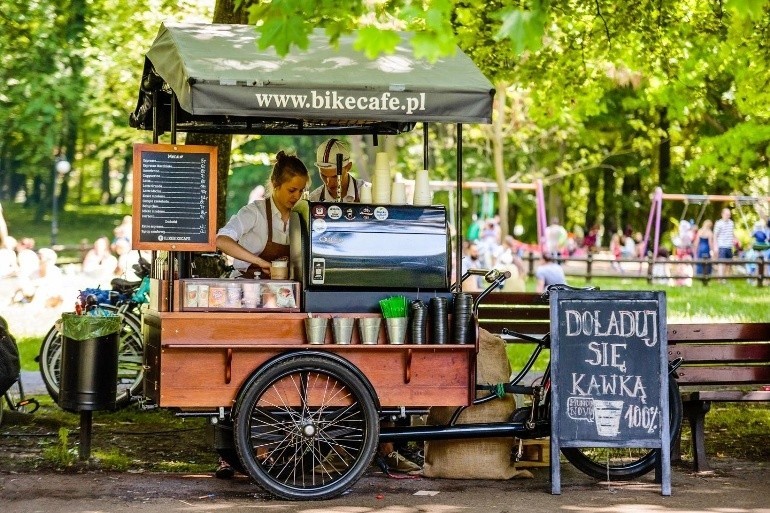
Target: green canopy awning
218,73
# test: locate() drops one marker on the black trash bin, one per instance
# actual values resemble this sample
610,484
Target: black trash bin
89,363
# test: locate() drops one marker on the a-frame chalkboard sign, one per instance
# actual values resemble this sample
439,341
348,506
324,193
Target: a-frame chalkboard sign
609,374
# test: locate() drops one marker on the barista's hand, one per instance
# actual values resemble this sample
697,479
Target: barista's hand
264,266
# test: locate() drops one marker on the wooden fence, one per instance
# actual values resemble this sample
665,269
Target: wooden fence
642,268
633,268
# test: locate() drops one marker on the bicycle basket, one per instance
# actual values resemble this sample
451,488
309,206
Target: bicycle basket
103,296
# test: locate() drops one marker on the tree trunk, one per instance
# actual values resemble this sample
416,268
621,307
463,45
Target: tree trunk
224,12
106,198
498,145
664,161
127,168
611,221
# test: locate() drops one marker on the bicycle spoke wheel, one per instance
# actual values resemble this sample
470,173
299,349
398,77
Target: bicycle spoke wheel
306,428
130,355
622,464
130,360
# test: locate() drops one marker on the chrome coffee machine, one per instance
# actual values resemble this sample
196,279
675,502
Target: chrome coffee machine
369,251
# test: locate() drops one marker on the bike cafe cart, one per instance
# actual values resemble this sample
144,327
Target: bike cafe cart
248,366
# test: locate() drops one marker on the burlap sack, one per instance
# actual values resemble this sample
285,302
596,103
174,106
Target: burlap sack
477,458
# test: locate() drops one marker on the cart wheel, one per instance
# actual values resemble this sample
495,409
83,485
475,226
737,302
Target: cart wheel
306,427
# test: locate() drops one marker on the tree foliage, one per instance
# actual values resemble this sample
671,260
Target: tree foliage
602,100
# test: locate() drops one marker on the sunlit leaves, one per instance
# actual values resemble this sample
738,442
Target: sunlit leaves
373,41
524,28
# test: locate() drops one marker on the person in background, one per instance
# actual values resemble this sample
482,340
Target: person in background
616,249
326,162
555,237
257,193
704,247
99,263
724,238
259,232
591,240
123,231
43,285
3,228
472,260
661,269
127,259
549,273
509,260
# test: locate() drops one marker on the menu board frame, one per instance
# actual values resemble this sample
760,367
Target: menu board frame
609,374
140,151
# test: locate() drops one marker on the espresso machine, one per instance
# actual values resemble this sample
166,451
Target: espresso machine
348,256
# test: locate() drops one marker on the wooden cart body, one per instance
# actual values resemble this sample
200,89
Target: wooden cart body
200,360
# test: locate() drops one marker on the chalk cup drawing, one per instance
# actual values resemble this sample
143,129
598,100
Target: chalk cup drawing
607,417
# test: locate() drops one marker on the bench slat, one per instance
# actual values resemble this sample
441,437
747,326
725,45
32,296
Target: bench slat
728,395
496,328
719,353
722,332
724,375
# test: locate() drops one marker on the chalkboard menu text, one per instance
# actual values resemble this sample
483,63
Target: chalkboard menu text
609,373
174,197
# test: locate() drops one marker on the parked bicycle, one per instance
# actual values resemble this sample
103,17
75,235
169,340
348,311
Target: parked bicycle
126,298
534,420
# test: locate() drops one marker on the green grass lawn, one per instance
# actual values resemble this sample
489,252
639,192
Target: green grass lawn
76,223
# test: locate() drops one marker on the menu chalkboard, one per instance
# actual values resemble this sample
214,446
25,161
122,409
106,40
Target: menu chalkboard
174,197
609,373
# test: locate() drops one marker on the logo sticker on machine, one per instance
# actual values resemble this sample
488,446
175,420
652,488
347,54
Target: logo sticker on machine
319,268
380,213
319,225
334,212
349,214
367,212
319,211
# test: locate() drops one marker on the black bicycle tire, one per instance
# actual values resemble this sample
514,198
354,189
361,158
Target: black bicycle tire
45,363
247,413
638,467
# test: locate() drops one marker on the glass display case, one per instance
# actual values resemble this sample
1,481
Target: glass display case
206,294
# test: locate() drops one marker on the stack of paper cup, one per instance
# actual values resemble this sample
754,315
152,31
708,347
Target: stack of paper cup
422,194
381,161
251,294
398,194
365,194
381,180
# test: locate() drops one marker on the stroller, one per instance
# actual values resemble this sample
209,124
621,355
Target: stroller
11,389
10,366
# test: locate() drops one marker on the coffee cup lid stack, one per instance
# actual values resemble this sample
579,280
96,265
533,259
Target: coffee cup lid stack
381,187
422,192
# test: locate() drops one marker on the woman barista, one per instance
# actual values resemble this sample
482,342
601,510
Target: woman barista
259,232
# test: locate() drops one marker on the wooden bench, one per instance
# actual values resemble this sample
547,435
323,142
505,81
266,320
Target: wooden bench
523,312
721,363
724,362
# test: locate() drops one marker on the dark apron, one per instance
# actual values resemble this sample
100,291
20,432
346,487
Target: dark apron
355,192
272,251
